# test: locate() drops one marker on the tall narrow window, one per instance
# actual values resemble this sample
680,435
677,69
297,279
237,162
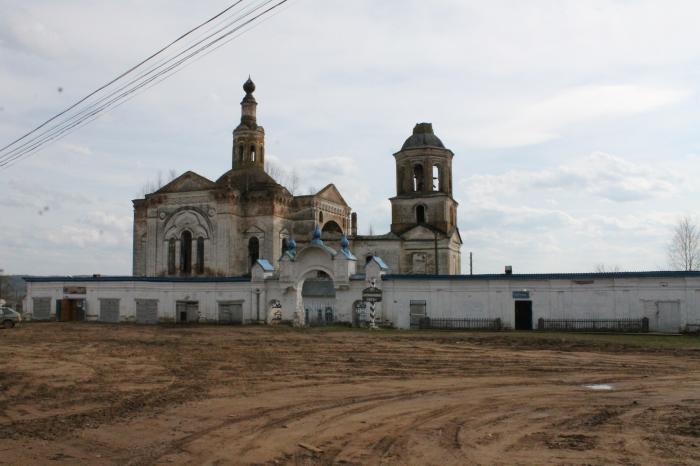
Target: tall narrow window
418,178
320,218
240,153
253,250
436,178
252,153
186,252
171,256
200,255
285,245
420,214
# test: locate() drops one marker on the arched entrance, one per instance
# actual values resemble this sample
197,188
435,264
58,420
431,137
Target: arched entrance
331,231
318,299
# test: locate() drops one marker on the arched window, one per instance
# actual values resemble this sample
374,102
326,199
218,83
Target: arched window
418,178
320,218
186,252
331,231
285,245
420,214
200,255
436,178
253,250
240,153
252,153
369,258
171,256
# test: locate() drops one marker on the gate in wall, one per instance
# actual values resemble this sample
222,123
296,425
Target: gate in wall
417,312
668,316
186,311
147,311
109,310
231,313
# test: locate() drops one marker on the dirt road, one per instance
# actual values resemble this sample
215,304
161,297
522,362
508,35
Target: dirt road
109,394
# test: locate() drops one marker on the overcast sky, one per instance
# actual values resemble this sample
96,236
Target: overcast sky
574,124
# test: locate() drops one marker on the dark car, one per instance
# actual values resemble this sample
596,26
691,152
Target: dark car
9,317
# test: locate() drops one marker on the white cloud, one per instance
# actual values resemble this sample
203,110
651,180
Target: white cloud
547,118
599,175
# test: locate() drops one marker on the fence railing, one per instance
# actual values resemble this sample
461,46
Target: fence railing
445,323
315,322
595,325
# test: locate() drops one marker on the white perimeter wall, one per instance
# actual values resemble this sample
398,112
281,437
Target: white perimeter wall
619,298
626,298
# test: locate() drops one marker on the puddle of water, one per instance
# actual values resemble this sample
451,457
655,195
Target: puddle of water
599,386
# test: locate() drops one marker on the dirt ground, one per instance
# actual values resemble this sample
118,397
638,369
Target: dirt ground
77,393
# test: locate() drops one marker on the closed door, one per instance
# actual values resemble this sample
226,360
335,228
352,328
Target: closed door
668,316
147,311
42,308
109,310
231,313
417,312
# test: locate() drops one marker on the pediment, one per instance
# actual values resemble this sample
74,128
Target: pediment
419,232
254,230
331,193
188,181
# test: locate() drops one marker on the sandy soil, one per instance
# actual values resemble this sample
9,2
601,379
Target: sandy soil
107,394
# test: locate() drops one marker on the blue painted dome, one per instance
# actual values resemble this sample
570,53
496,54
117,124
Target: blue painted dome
317,233
344,243
292,244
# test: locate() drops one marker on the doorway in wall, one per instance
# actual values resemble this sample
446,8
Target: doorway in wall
186,311
70,310
523,315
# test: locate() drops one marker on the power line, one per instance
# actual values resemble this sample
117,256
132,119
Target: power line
128,91
47,135
139,91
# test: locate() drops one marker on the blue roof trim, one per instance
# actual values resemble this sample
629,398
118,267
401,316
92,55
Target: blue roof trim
380,262
78,278
348,254
548,276
266,266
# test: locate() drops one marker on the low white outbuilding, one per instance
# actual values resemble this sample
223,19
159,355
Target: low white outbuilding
320,285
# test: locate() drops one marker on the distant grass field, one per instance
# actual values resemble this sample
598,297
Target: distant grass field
538,339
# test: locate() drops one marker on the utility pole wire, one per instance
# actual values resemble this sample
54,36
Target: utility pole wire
121,75
138,92
61,129
89,111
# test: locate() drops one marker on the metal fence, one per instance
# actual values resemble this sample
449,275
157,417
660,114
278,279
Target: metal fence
326,322
595,325
443,323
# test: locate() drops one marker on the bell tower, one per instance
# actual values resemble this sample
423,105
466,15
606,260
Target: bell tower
248,138
423,184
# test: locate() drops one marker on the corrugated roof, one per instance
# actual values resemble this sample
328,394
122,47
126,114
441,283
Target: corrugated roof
549,276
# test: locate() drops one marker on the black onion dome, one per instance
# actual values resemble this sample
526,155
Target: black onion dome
422,136
249,86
